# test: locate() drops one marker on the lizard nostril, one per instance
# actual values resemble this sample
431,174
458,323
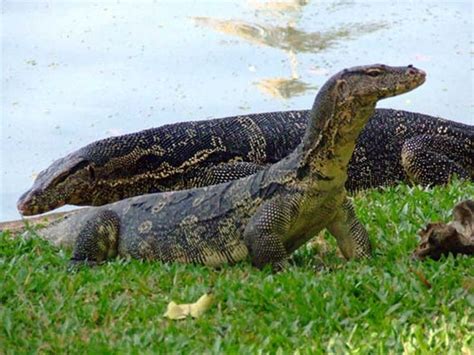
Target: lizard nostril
412,71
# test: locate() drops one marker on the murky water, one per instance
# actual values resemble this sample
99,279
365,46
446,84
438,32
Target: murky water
75,72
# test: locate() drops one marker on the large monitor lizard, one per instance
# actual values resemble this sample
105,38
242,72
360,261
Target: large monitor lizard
395,146
266,215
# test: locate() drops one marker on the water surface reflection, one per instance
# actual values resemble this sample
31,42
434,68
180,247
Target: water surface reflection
290,39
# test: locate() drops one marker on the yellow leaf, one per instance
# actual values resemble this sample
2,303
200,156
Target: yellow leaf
181,311
202,305
175,311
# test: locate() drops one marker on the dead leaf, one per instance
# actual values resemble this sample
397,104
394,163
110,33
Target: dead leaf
197,309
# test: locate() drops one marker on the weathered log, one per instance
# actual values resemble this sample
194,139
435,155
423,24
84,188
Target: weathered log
20,225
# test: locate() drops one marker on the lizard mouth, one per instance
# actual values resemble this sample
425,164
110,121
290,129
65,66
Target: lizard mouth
416,76
411,79
23,206
27,205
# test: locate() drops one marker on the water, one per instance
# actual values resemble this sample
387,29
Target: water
74,72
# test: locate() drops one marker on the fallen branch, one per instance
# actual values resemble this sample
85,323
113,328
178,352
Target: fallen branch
20,225
456,237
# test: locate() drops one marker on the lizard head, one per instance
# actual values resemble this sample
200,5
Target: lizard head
347,100
67,181
360,88
368,84
345,103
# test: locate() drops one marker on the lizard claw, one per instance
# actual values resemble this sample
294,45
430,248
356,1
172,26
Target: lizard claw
76,264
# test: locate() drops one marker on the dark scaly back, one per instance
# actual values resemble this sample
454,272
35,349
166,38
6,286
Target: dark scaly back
375,162
172,157
169,157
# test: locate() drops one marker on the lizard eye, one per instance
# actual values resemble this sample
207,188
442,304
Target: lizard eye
91,171
65,174
60,178
374,72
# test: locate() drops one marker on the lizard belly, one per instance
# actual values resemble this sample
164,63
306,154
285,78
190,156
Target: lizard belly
313,219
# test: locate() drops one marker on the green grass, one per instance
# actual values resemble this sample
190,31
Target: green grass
322,303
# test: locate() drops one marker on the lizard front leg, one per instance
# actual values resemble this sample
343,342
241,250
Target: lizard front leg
351,236
429,159
264,233
98,239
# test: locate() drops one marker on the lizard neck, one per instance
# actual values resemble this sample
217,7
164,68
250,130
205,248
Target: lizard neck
330,140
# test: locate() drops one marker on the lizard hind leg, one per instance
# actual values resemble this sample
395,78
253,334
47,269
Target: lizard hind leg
426,160
98,239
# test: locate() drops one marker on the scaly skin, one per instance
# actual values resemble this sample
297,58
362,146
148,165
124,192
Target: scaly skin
267,215
395,146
